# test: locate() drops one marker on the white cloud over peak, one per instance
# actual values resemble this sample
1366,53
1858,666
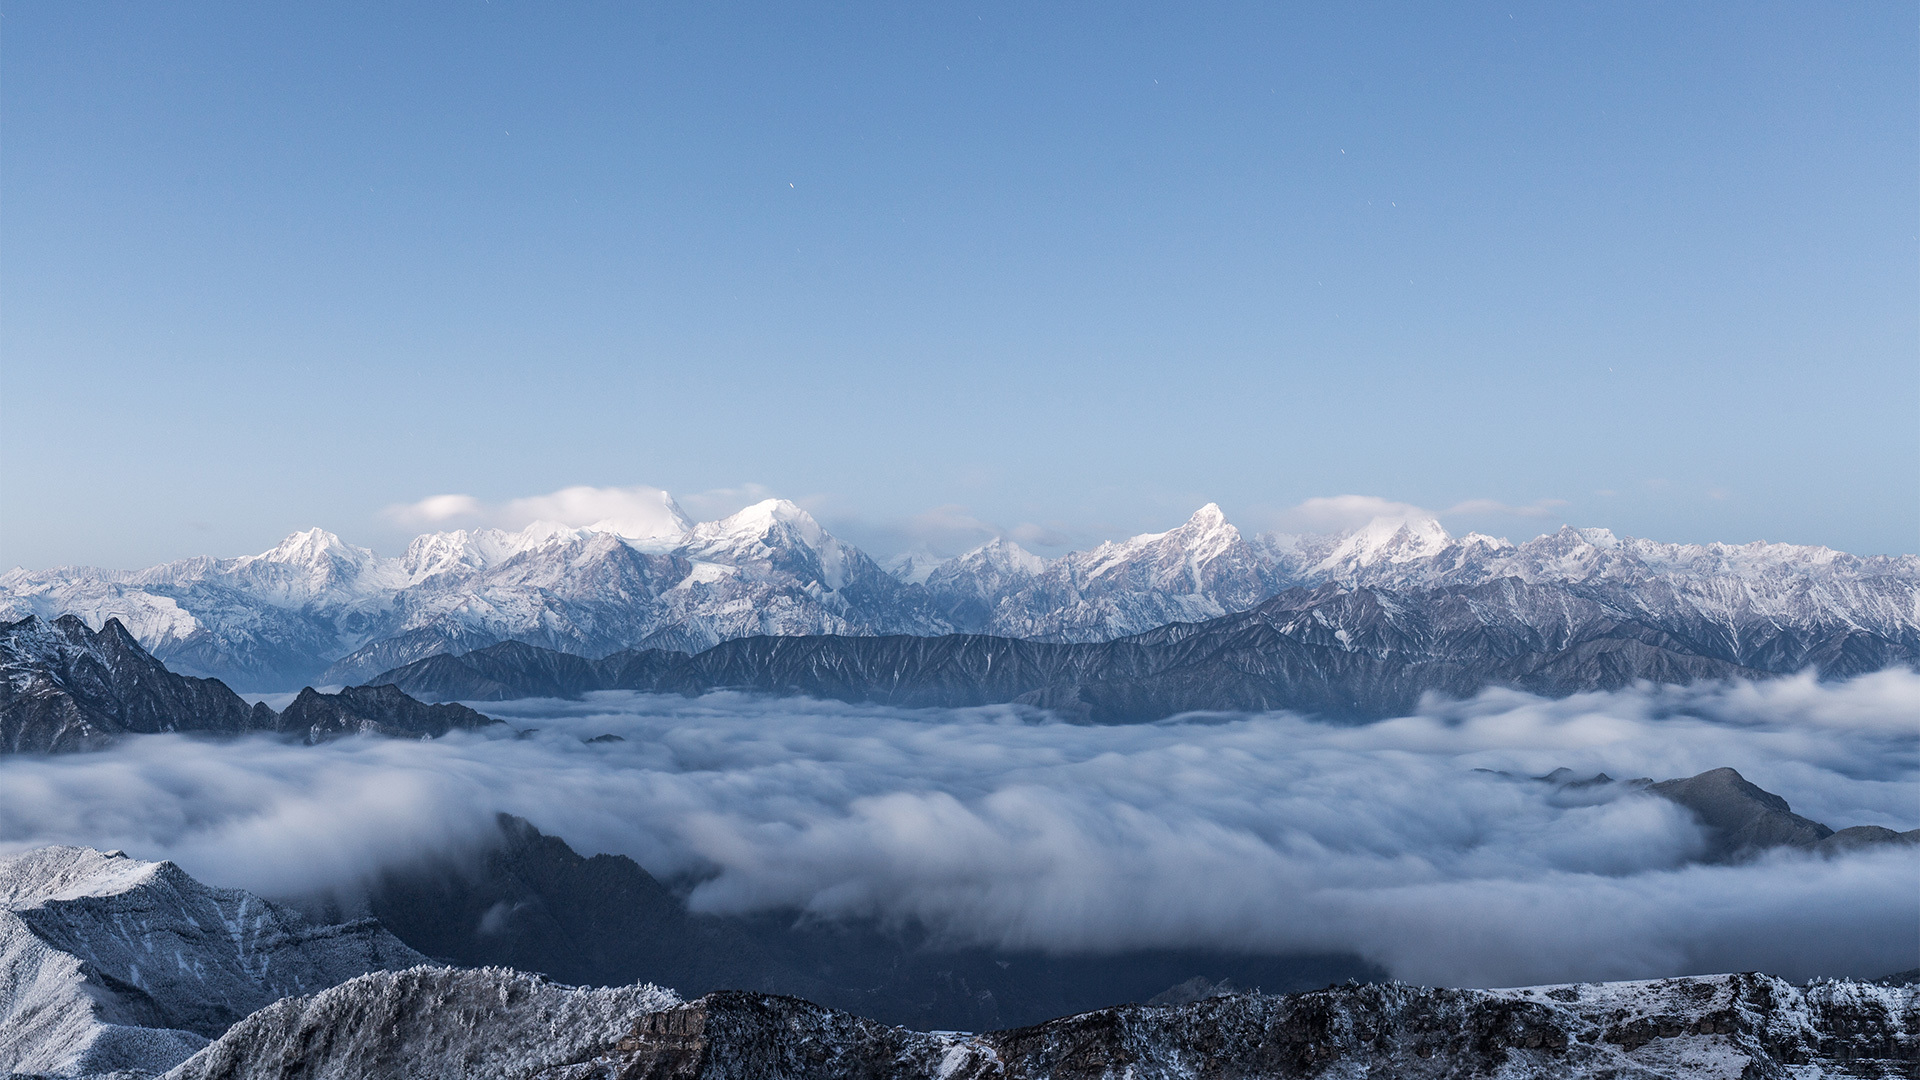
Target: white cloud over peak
1344,513
638,511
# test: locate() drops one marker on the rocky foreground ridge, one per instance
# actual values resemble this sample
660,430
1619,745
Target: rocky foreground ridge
316,609
490,1023
112,967
66,687
110,963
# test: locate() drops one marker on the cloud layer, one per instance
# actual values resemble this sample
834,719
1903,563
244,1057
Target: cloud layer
999,826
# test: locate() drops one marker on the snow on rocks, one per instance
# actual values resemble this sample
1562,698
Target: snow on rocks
315,609
111,963
429,1023
493,1023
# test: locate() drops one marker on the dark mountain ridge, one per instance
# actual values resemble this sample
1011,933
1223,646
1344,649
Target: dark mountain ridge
66,687
1346,652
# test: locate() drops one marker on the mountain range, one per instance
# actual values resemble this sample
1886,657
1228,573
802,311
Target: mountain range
1353,652
315,609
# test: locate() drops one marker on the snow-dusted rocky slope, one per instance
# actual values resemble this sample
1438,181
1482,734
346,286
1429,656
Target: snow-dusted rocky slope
66,687
431,1023
492,1023
108,962
315,608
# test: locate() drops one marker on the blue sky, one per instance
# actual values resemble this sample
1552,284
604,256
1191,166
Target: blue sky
1077,268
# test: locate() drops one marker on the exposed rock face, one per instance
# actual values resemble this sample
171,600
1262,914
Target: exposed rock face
64,687
535,905
372,710
428,1023
316,609
1343,652
497,1024
111,963
1742,818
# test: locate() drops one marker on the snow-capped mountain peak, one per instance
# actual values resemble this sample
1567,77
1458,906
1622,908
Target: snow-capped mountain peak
1207,534
1386,540
1007,556
315,547
774,536
915,566
758,520
1200,539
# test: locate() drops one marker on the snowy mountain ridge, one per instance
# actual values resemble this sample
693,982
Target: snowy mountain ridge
109,963
317,608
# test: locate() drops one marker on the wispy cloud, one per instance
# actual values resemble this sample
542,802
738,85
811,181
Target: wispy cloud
639,510
1539,508
1341,513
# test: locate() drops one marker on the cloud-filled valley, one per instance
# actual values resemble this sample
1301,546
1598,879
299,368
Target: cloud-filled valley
1003,827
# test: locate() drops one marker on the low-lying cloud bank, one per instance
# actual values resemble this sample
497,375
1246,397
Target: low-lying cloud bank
997,826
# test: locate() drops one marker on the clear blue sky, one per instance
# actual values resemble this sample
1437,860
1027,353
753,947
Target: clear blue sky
265,266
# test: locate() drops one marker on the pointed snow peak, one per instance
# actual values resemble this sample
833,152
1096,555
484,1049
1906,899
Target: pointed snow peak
757,519
915,566
1208,517
1600,538
1004,555
310,547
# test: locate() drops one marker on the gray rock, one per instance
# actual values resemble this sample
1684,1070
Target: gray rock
1740,817
486,1024
372,710
66,687
110,963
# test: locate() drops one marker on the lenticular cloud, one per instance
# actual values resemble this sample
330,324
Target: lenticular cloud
1418,842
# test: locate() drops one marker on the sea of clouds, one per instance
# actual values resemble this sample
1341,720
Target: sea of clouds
1400,841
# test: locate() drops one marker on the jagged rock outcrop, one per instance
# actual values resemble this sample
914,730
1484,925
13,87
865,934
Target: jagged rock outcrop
489,1024
428,1023
372,710
108,962
65,687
